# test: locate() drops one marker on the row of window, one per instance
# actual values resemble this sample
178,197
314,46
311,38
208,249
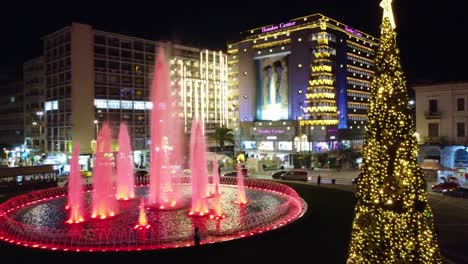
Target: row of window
434,106
58,65
60,51
362,84
360,61
355,71
124,43
323,35
358,106
58,39
354,48
433,129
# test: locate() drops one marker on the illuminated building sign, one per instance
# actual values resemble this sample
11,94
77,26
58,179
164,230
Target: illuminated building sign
353,31
271,131
275,27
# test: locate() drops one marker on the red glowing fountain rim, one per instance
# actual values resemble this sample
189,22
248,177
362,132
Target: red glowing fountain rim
22,234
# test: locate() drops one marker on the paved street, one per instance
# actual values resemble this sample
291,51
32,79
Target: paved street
450,213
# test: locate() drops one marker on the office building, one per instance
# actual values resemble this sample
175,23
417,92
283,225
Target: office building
301,86
94,76
33,106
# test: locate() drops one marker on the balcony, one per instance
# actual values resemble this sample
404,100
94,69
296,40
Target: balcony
435,140
432,115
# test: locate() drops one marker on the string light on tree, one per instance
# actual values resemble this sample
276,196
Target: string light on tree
393,222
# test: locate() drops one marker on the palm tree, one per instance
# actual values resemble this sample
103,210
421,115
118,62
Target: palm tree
221,135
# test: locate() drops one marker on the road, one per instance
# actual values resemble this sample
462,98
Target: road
450,213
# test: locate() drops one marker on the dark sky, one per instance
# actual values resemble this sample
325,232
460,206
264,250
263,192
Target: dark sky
429,34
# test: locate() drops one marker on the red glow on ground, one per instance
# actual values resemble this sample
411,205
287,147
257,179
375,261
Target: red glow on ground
117,240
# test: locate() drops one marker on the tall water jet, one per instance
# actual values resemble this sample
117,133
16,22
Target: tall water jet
125,180
241,197
215,176
166,137
104,203
75,189
199,170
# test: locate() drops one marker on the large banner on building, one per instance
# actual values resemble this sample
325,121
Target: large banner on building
272,87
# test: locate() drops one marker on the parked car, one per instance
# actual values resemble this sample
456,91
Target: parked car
277,174
457,192
301,175
445,186
245,172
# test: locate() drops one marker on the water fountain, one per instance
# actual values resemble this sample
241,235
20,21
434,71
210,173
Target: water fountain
241,197
104,204
75,189
166,138
176,203
125,181
199,170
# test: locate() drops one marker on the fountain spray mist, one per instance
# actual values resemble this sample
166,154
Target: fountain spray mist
125,180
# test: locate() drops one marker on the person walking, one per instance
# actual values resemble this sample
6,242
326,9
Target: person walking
196,237
319,179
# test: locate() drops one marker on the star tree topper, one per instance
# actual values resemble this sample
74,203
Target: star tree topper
388,12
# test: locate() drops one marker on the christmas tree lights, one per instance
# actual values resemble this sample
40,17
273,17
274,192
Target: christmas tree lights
393,222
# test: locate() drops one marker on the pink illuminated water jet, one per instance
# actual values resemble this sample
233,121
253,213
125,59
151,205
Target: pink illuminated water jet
75,189
215,176
241,197
125,180
199,170
142,220
166,138
104,203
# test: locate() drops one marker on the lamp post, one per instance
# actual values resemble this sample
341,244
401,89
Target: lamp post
40,114
97,127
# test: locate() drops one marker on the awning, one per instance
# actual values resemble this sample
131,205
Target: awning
433,165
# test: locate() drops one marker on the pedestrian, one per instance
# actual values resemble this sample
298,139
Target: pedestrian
219,171
264,167
282,167
196,237
319,179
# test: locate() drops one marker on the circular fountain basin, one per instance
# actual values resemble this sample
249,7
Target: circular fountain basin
38,219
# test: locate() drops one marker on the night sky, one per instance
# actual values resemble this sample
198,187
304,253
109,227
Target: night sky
429,34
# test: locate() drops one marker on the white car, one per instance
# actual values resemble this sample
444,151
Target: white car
300,175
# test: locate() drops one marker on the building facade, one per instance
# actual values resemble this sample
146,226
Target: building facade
441,122
301,86
11,118
33,107
94,76
199,77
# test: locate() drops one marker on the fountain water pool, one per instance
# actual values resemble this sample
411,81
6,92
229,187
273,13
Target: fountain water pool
38,219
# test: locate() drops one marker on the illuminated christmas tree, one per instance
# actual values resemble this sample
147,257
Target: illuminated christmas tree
393,222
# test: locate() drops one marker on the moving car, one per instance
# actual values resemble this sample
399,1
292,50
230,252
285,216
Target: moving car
245,172
445,186
277,174
457,192
300,175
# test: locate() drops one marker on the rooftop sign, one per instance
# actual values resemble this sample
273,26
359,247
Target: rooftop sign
353,31
278,26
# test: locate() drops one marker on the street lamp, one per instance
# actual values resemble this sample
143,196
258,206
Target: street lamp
40,114
97,127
